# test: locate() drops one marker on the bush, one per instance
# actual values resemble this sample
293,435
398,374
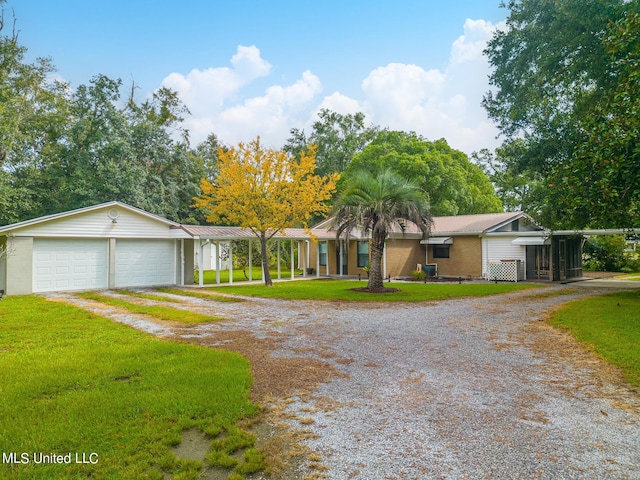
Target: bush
418,275
604,253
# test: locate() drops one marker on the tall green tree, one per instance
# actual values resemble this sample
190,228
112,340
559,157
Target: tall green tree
172,170
451,183
97,161
338,138
523,190
33,112
208,152
117,149
602,183
62,149
376,204
557,70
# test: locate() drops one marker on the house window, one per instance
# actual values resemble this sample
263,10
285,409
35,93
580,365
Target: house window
441,251
363,254
322,251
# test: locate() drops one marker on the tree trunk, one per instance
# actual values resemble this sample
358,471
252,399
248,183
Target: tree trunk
377,251
266,274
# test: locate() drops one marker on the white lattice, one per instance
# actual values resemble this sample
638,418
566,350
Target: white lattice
509,271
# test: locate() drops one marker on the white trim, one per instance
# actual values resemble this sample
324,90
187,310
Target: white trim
531,241
437,241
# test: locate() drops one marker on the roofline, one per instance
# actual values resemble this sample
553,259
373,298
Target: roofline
281,235
549,233
516,216
56,216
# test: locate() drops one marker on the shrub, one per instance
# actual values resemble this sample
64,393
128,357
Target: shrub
418,275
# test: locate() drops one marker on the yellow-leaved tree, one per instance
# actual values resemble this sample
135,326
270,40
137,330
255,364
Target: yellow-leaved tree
265,191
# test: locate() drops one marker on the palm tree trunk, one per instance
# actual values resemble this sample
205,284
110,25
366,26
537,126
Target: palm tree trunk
377,250
266,274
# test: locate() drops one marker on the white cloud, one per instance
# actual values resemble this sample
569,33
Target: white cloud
434,103
205,91
469,46
431,102
270,116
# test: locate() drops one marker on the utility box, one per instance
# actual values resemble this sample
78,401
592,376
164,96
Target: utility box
506,271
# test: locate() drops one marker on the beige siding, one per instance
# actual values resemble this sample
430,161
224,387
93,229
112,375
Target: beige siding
331,255
96,223
20,266
403,256
3,263
188,265
353,258
465,257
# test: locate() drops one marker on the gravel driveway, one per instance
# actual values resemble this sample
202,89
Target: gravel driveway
467,388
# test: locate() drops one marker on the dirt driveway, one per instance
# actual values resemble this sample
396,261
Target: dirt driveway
467,388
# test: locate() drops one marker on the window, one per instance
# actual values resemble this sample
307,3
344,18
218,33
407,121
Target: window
441,251
363,254
322,251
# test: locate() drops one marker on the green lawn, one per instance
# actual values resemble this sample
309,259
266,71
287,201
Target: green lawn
72,382
239,275
610,325
163,313
189,292
631,276
324,289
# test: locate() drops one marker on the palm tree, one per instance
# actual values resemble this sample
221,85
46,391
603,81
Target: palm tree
376,204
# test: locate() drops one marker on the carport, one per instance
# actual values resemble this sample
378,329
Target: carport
221,236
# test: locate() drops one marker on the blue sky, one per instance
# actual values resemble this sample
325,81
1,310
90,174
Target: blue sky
247,68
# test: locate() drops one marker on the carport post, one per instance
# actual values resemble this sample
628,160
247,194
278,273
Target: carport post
278,246
230,262
218,262
181,280
200,263
293,270
250,260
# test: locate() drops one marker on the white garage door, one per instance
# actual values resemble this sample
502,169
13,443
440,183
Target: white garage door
142,263
69,264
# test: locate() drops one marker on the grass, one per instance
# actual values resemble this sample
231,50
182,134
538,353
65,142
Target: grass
325,289
610,326
198,294
149,296
631,276
160,312
73,382
239,276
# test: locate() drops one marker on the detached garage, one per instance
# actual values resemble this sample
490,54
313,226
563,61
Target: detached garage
105,246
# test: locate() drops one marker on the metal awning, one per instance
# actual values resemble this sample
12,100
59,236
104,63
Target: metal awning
531,241
438,241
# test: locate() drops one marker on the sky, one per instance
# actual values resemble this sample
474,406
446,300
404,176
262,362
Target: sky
260,68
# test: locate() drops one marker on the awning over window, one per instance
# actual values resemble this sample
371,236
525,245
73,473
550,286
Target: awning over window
437,241
531,241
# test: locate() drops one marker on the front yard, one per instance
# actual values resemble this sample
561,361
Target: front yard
109,401
87,389
325,289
